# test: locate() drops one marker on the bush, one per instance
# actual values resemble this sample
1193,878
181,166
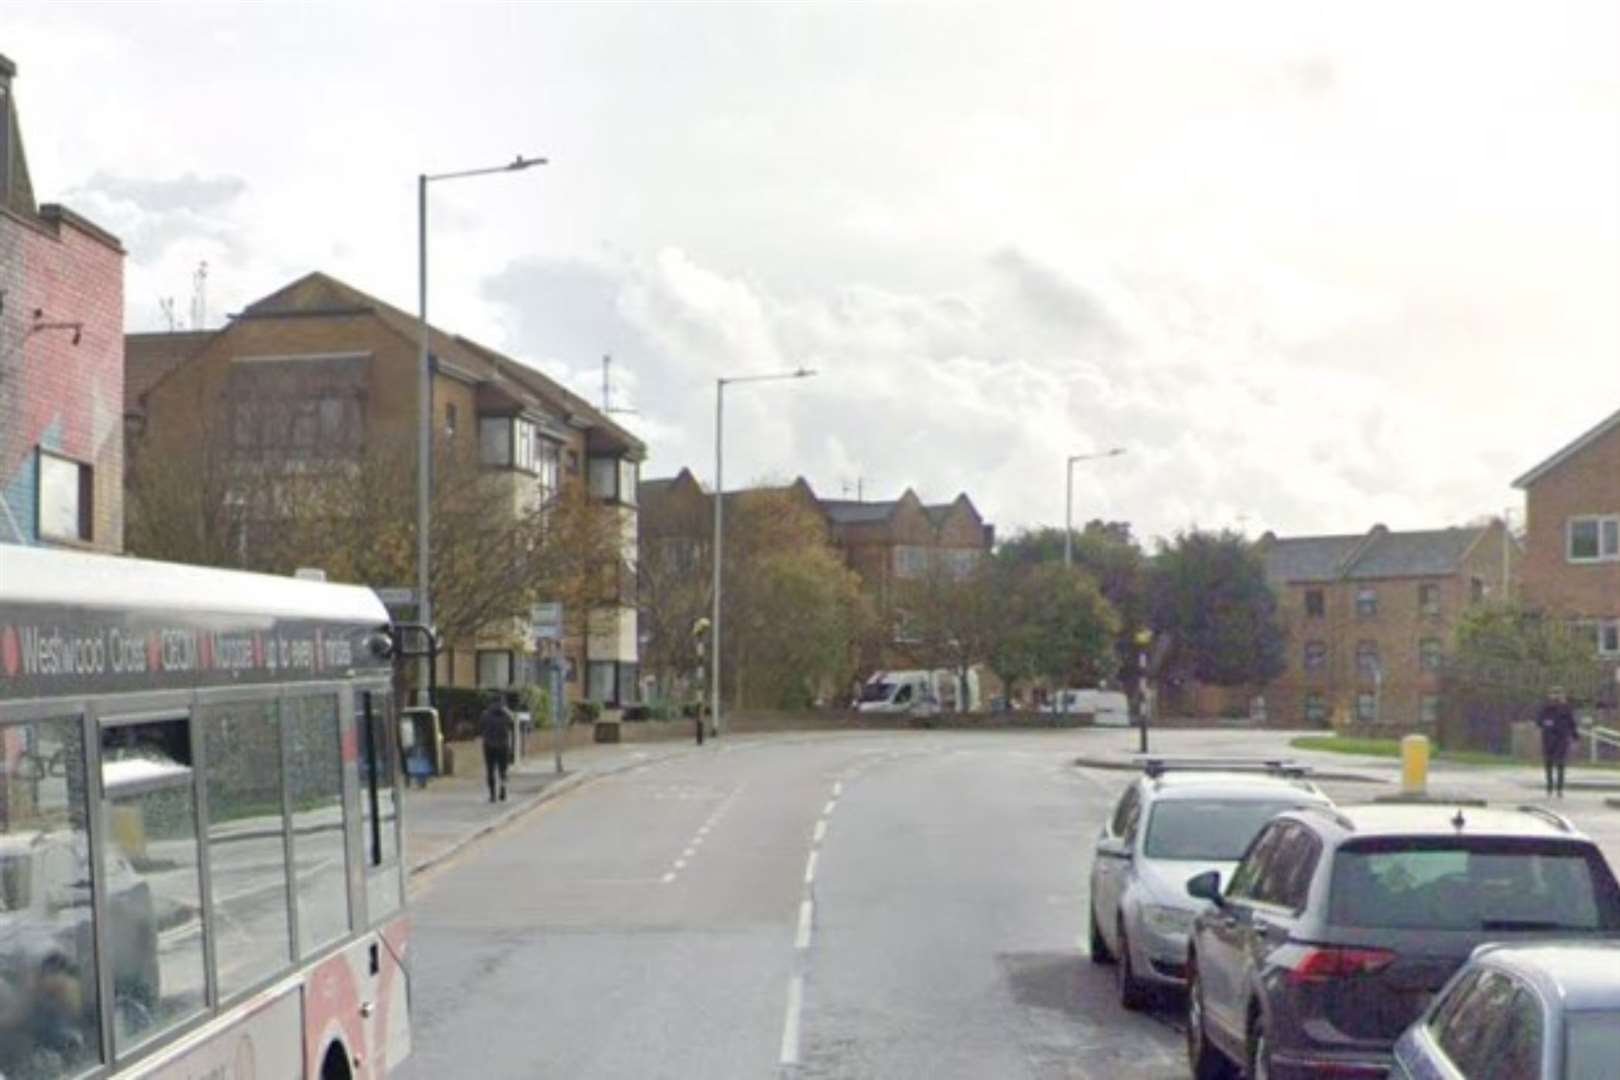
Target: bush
587,712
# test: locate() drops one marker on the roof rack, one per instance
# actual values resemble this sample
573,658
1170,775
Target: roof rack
1551,817
1339,818
1156,766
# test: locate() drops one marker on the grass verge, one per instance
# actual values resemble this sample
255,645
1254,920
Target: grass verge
1391,748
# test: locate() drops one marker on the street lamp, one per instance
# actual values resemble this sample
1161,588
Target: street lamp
719,523
1068,500
424,385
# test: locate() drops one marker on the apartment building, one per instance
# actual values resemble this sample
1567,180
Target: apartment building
321,375
1572,536
61,362
1369,619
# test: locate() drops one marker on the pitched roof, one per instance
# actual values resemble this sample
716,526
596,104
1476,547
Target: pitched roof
1592,436
16,190
149,357
852,512
319,293
1378,553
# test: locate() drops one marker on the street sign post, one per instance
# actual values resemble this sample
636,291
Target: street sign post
547,621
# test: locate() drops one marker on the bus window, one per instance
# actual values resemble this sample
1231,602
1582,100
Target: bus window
315,789
49,1023
154,918
247,844
379,801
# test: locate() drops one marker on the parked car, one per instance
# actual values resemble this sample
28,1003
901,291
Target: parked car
1525,1012
1108,708
1178,819
1340,925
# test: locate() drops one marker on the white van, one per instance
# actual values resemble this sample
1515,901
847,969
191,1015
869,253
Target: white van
919,693
1108,708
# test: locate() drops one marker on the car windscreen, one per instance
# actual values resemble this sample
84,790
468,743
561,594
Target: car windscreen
877,691
1478,884
1591,1044
1207,830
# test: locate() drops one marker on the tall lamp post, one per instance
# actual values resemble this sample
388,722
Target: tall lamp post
719,522
1068,500
424,384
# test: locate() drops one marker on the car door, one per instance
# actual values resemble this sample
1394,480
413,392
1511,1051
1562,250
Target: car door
1494,1031
1224,933
1279,897
1112,863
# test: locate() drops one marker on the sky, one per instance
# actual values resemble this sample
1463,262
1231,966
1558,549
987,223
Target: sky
1312,265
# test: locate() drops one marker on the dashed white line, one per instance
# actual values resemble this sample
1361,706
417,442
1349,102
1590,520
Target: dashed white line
801,940
831,804
838,789
821,831
790,1025
667,878
810,869
689,852
680,864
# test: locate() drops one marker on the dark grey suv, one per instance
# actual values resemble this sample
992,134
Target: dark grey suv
1339,926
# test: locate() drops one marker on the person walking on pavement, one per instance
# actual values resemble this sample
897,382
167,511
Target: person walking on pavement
496,728
1557,723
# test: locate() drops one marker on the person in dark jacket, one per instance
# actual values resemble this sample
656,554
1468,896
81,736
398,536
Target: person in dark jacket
1557,723
496,726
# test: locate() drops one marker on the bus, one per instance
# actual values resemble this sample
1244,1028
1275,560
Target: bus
200,825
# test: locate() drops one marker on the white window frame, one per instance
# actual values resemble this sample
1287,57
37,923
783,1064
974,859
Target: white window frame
1608,536
84,499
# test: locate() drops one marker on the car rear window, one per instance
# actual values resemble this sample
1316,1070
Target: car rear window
1591,1044
1474,884
1207,830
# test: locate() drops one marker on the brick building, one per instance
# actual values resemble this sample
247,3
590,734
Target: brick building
61,362
319,373
1572,536
1369,619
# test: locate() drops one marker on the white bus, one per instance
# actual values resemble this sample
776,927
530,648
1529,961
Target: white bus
200,834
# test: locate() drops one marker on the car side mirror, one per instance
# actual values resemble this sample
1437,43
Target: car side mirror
1206,886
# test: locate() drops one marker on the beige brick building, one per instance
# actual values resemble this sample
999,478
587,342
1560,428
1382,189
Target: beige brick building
1369,618
319,371
1572,536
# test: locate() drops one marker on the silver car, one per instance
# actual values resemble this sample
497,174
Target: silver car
1177,820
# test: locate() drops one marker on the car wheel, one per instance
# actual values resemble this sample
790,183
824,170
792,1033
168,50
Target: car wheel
1099,947
1259,1050
1132,992
1207,1062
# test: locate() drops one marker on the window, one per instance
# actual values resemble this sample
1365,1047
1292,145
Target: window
1429,599
1286,880
1315,603
1476,590
1316,653
1591,1043
601,681
1459,1027
1213,830
1315,708
1429,709
548,469
1125,813
246,843
1609,637
495,440
629,474
1367,657
1594,539
1256,864
152,853
494,667
44,865
66,498
379,802
604,477
1429,654
1367,708
910,561
1366,603
960,562
449,420
315,789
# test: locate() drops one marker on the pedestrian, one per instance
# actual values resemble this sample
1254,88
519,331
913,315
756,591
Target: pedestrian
495,725
1557,723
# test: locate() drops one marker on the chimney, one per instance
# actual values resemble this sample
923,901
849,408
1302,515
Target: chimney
8,71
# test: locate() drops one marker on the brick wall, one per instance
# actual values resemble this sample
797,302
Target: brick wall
1586,484
55,395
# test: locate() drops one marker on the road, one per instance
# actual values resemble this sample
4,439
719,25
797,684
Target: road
886,905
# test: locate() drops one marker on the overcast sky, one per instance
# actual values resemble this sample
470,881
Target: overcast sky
1315,265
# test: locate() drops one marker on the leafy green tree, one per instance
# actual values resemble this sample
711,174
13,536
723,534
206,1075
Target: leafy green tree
1517,644
1209,596
954,620
1049,622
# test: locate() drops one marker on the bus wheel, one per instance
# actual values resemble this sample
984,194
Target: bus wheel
335,1066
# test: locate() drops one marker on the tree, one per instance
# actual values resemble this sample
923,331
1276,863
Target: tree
1512,644
954,620
673,583
1050,622
1209,594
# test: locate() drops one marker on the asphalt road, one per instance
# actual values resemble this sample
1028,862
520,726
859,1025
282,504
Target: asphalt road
857,905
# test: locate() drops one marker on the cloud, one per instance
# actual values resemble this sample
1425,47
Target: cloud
152,215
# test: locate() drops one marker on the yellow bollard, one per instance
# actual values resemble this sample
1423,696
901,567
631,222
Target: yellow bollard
129,829
1415,765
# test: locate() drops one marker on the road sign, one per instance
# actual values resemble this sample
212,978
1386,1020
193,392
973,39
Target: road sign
547,620
396,596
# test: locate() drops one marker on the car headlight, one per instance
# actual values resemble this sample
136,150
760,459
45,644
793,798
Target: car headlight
1168,920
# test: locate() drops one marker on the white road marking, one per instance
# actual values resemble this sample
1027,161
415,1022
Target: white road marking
697,840
831,804
689,852
810,869
680,864
838,789
704,831
667,878
801,940
821,831
790,1026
